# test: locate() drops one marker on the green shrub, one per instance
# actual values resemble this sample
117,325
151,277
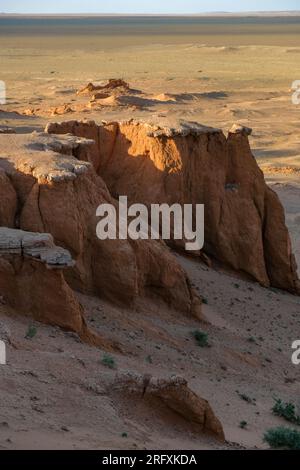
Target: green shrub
108,361
31,332
283,437
149,359
246,398
243,424
201,337
251,339
286,411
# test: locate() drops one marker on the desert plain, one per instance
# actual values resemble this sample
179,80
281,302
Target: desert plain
56,390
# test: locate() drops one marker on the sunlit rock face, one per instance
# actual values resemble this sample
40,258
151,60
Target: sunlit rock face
51,188
190,163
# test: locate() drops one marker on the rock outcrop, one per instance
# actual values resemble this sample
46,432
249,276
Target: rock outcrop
189,163
175,394
115,93
32,281
57,193
112,84
7,130
8,204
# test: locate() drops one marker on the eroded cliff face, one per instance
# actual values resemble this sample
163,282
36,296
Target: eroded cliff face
48,190
32,281
31,278
244,219
8,198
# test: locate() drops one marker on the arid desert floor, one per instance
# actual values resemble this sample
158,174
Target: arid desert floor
55,392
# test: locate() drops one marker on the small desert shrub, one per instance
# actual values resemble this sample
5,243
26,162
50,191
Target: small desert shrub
201,337
108,361
283,437
149,359
274,289
286,411
31,332
251,339
246,398
243,424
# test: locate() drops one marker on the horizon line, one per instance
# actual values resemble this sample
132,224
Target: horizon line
212,13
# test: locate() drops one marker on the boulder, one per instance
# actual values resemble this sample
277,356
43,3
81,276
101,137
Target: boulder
175,394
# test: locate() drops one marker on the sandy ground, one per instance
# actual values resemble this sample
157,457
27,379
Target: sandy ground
55,393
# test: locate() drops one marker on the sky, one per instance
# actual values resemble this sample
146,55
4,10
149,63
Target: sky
139,6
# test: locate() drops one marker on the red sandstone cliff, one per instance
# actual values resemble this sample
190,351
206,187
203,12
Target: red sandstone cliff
49,190
244,219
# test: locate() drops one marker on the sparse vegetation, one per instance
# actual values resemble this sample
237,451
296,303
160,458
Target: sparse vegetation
149,359
243,424
286,411
124,434
204,301
31,332
274,290
246,398
283,437
201,337
251,340
108,361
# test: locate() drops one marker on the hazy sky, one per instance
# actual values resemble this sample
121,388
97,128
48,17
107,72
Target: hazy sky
139,6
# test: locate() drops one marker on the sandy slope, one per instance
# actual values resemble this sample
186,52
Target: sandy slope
55,391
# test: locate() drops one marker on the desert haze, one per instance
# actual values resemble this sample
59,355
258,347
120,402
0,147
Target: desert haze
124,344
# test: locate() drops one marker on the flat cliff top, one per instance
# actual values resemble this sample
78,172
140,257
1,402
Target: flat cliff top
156,126
170,127
42,155
39,246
